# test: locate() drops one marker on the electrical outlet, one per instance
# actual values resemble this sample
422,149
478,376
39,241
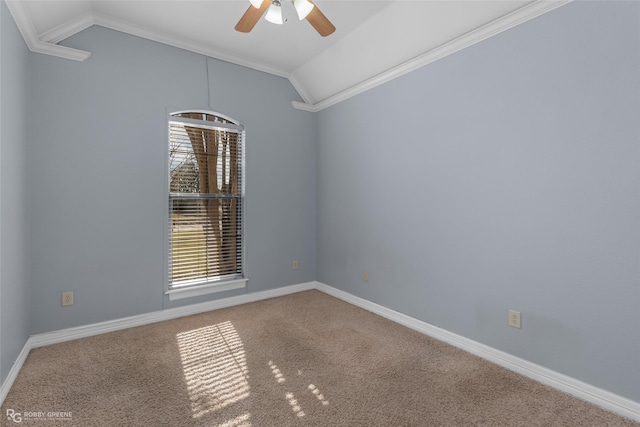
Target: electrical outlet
365,276
514,319
67,298
295,264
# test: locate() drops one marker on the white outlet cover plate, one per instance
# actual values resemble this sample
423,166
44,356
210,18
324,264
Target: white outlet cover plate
514,319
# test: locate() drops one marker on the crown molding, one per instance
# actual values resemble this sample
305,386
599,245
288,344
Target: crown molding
46,43
66,30
299,87
304,106
21,16
149,34
517,17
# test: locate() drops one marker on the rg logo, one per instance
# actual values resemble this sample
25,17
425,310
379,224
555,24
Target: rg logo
14,416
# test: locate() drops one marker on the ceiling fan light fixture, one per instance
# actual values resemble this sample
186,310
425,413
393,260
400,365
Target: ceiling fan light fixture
274,14
256,3
303,7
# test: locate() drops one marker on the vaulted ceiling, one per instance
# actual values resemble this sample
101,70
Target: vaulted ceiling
375,41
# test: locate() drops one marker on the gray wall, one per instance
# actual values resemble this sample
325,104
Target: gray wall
14,213
98,175
503,176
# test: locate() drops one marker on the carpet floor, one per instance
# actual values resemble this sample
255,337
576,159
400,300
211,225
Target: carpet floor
305,359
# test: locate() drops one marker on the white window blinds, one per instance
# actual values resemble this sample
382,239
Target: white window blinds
205,199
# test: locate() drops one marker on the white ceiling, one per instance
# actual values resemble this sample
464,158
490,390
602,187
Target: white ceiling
374,41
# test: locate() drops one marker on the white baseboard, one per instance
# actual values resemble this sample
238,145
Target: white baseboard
602,398
63,335
13,372
599,397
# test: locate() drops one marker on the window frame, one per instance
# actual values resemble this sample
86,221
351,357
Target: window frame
215,283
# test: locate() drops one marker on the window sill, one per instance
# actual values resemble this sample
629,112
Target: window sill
207,288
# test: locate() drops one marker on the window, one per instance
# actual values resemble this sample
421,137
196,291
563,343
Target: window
206,188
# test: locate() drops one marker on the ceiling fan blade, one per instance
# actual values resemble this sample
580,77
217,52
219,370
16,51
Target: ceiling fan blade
320,22
251,17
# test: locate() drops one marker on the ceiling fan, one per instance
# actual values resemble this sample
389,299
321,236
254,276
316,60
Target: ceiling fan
305,8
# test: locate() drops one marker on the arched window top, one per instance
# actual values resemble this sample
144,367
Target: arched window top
206,199
207,116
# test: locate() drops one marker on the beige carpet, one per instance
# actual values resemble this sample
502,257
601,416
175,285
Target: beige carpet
306,359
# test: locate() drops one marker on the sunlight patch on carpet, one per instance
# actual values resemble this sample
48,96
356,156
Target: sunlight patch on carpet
276,372
316,393
294,404
239,421
295,407
215,369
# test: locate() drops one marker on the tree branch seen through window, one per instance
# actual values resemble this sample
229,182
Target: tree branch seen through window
205,163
